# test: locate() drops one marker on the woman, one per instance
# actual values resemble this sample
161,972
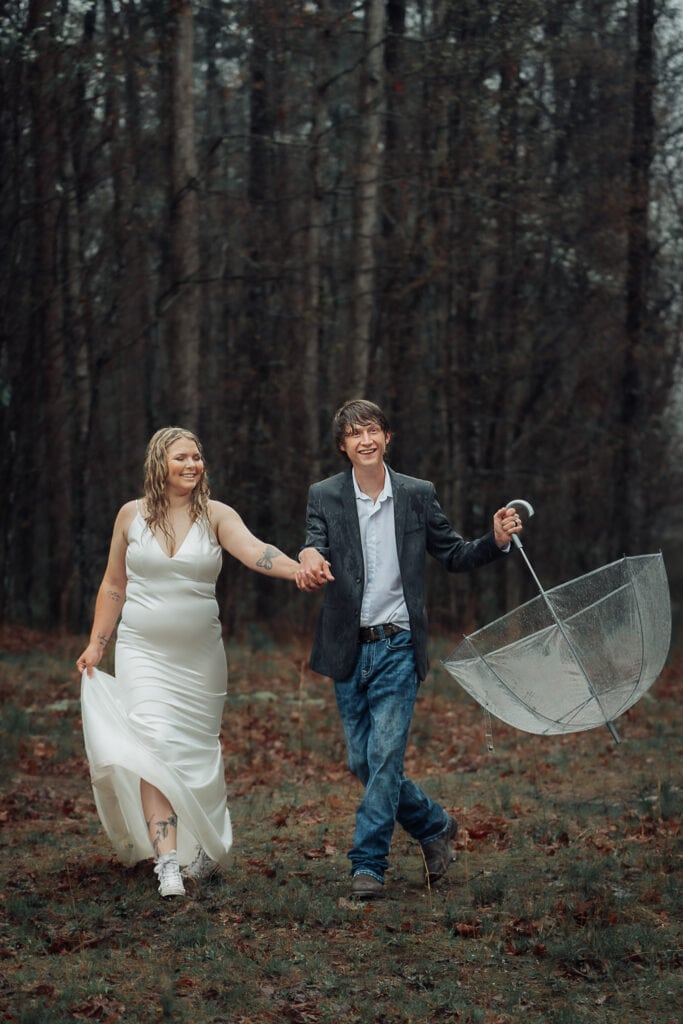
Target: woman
152,733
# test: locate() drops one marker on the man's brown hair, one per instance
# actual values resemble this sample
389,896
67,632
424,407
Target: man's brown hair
356,413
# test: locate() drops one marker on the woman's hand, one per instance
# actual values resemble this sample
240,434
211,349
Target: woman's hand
310,581
90,658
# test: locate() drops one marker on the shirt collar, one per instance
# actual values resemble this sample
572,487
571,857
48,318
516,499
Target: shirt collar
386,492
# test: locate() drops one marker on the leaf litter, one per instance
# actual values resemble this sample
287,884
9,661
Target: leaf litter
567,874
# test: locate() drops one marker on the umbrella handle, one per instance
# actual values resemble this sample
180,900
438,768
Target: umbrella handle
527,508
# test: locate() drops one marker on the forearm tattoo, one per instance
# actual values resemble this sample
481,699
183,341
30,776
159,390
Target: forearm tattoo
102,639
114,595
158,830
266,559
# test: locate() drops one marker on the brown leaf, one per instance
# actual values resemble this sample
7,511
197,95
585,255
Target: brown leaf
185,984
468,931
98,1008
43,989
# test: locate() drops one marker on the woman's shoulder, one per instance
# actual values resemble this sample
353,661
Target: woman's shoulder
220,512
122,524
217,508
128,512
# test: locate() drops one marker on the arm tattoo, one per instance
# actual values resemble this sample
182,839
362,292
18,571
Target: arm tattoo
266,559
114,595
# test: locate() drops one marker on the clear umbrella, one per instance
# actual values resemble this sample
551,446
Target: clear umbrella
575,657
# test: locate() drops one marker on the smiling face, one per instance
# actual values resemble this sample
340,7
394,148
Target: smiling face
185,466
364,444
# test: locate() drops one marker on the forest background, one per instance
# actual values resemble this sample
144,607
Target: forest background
236,215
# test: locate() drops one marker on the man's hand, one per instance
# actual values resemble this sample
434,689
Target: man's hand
506,521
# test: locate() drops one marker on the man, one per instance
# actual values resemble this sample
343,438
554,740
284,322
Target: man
367,532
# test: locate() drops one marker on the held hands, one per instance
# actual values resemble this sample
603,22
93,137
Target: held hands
315,570
506,522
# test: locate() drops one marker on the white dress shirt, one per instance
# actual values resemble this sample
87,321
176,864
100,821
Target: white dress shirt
383,599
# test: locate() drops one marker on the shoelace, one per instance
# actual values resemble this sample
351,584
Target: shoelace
163,870
166,869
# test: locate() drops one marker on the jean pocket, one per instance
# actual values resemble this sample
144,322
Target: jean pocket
400,641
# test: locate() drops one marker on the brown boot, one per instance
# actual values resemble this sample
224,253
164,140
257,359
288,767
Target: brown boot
366,887
439,853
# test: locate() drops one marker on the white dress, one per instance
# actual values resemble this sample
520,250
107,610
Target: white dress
159,719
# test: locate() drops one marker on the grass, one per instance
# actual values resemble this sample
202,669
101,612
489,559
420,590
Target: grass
564,904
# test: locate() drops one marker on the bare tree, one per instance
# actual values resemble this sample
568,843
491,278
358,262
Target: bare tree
630,510
469,212
49,279
184,299
368,165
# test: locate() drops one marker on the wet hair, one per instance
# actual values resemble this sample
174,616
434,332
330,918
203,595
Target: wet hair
356,413
156,475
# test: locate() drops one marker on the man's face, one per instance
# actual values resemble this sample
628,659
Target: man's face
365,445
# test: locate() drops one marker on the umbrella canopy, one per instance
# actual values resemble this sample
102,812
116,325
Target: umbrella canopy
577,656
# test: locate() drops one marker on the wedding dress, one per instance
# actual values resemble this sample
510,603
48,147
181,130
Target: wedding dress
159,718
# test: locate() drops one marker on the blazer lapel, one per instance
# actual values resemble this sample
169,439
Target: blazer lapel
348,498
400,510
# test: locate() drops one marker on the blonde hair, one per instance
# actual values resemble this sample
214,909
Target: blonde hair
156,475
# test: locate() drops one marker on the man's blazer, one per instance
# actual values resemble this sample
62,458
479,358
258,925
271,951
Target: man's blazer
421,527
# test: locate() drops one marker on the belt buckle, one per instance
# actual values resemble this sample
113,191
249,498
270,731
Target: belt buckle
371,634
367,634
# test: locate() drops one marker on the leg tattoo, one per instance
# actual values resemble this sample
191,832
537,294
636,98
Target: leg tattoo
158,830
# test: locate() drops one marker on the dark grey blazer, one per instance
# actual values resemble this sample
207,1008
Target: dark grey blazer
421,526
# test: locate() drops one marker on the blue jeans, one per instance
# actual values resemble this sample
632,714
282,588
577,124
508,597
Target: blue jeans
376,706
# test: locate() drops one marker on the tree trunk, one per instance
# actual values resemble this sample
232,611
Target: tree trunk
52,435
184,308
310,370
630,510
366,195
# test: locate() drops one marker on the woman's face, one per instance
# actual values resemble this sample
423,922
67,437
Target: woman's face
185,466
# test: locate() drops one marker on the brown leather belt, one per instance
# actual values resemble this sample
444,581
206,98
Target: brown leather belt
369,634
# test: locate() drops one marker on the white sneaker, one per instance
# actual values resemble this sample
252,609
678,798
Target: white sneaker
168,873
201,868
